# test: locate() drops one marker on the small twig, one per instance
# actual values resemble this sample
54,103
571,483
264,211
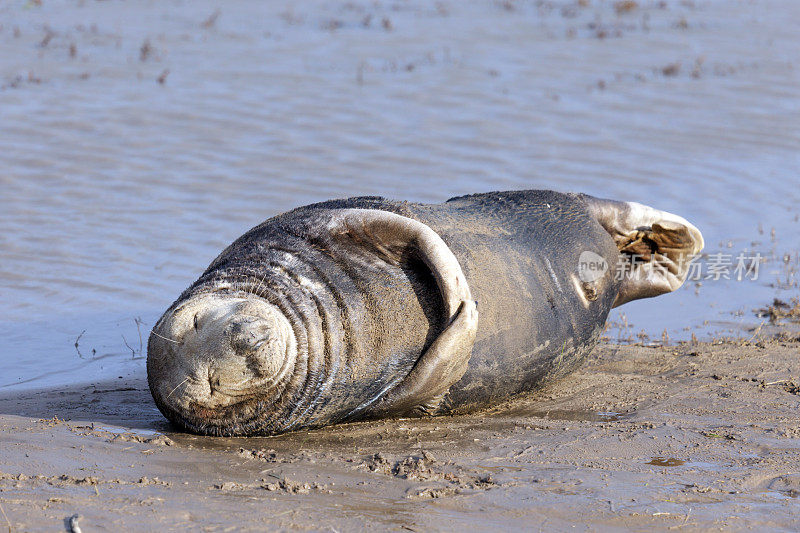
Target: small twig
48,36
212,20
138,321
6,517
76,344
758,330
133,352
145,50
73,523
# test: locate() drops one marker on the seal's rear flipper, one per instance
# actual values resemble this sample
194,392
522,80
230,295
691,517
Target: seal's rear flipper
656,247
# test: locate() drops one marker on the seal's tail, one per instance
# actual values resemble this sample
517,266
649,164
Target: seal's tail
656,248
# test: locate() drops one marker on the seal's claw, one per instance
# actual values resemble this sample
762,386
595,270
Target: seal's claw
442,365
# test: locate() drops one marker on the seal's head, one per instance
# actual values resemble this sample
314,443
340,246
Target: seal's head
213,360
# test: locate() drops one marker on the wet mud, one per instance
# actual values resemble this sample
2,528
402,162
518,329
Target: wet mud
689,437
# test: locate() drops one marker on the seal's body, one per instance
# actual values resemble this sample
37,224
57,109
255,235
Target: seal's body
365,307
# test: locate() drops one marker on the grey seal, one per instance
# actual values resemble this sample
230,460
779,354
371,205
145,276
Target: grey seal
365,307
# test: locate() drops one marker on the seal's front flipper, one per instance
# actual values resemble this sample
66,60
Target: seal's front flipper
442,364
390,236
656,247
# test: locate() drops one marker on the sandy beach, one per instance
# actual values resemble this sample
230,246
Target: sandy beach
690,437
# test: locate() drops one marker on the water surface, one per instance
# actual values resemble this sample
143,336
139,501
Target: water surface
138,139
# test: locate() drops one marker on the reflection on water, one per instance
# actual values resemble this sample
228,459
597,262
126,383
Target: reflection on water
661,461
114,430
671,462
567,414
138,142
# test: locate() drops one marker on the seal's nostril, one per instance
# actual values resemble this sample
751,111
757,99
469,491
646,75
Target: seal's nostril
194,321
248,334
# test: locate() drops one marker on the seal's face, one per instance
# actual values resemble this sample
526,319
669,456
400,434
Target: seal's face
213,357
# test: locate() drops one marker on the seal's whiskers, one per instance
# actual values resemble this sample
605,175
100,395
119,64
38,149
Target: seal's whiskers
165,338
176,388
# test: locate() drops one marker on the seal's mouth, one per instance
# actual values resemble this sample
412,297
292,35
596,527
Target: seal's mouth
214,360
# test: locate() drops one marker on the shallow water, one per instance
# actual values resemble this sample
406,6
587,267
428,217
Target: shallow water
118,190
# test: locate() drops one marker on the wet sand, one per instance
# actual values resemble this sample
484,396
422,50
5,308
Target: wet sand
687,437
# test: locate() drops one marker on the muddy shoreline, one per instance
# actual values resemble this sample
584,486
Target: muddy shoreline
689,437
